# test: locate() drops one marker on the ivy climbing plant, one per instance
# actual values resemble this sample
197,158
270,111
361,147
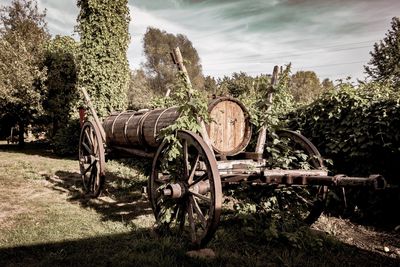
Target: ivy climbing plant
104,70
192,106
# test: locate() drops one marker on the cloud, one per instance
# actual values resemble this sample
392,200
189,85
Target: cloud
332,37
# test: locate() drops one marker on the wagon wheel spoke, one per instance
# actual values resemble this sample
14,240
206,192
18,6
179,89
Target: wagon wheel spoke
201,178
88,136
198,211
87,148
191,223
193,170
185,159
89,167
91,136
202,197
181,217
93,174
95,145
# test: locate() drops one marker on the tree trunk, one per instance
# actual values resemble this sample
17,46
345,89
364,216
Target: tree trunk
21,141
55,126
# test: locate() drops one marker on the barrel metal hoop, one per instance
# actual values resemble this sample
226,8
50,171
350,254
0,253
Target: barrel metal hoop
126,126
158,118
139,130
113,124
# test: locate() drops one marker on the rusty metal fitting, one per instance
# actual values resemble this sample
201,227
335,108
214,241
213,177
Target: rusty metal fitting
174,190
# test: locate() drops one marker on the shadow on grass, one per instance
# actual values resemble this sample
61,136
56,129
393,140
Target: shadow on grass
121,200
33,148
143,248
139,248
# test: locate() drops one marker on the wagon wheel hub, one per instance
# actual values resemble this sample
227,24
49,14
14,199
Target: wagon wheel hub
175,190
181,190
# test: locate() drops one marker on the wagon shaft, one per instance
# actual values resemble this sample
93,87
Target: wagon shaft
256,172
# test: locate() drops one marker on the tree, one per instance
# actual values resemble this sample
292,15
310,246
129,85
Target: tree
104,39
236,85
210,85
23,34
139,92
159,67
305,86
384,66
62,96
327,85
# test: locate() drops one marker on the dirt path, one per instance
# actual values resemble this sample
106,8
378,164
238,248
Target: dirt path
385,243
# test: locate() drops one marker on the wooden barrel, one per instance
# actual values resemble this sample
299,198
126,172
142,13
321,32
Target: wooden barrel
230,128
137,128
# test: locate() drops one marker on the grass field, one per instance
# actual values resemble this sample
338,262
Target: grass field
45,220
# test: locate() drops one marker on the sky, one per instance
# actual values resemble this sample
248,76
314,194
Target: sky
331,37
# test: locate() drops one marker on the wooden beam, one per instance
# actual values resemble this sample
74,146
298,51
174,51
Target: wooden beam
262,135
178,61
94,114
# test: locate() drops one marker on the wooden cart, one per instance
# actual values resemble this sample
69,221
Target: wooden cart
186,192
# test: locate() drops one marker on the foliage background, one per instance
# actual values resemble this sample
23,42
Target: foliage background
23,35
356,127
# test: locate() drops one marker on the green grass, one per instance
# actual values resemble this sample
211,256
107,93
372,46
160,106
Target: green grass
46,221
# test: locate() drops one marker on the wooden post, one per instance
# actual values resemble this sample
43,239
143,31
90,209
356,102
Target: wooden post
178,61
262,135
94,114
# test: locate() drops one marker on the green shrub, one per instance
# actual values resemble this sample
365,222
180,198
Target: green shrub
357,127
66,140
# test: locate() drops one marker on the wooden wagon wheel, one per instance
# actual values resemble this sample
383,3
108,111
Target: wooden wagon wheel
185,192
314,157
314,197
91,159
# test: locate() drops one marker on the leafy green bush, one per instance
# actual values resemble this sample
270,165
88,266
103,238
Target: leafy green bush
66,140
357,127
